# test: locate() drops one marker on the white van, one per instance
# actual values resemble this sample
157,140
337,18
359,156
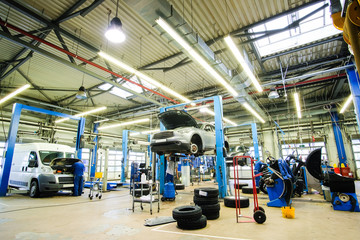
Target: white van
31,169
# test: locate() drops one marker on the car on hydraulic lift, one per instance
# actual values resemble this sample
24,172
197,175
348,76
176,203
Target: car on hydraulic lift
183,135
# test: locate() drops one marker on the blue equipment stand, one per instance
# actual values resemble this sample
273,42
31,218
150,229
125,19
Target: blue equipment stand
10,143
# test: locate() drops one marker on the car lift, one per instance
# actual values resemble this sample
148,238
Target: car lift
219,134
12,134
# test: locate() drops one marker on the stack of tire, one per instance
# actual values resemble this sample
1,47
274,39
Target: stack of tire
208,200
189,217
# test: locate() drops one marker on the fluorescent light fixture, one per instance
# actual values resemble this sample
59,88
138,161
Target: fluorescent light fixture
144,132
82,114
347,103
297,103
17,91
102,120
143,76
125,123
208,111
196,108
162,23
235,51
253,112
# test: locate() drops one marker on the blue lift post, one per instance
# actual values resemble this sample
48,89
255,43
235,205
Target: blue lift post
338,138
354,83
219,133
125,141
94,151
13,129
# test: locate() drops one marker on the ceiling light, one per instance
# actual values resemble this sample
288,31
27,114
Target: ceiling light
81,94
144,132
143,76
208,111
114,33
82,114
253,112
103,120
125,123
17,91
347,103
235,51
297,103
162,23
273,93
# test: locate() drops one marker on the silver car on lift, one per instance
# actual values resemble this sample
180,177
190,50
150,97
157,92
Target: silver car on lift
183,135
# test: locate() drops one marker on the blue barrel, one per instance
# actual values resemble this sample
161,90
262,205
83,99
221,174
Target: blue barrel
169,190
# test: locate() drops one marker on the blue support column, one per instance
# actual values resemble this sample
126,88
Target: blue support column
125,140
338,138
149,151
79,135
219,133
354,83
162,161
255,141
9,148
94,151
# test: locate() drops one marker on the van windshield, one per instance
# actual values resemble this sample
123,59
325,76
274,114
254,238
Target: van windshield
48,156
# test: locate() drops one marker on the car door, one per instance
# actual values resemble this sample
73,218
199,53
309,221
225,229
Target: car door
208,132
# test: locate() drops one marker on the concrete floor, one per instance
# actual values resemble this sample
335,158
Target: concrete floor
66,217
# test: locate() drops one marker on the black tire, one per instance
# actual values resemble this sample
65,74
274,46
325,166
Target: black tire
192,225
210,208
262,186
206,192
229,201
259,216
205,201
187,213
179,186
212,216
34,189
240,185
250,190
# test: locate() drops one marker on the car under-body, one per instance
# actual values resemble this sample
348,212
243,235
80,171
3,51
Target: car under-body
183,135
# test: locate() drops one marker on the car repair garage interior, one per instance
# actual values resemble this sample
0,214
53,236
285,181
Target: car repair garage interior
179,119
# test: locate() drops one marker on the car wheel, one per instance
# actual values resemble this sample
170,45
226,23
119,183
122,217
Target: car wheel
34,189
194,149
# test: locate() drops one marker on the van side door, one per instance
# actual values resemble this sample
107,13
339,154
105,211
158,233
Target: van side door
31,166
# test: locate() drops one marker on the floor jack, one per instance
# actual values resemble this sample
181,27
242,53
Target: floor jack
342,189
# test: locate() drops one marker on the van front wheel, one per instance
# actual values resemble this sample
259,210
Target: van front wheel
34,189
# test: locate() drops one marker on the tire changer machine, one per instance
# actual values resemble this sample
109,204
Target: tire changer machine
342,189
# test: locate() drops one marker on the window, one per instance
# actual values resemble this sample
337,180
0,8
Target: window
356,150
315,27
33,160
303,149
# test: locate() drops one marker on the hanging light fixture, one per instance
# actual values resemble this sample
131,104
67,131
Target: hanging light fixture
81,94
273,93
114,33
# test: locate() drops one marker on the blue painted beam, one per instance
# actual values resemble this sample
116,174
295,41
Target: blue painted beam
125,140
162,162
9,148
354,84
338,138
94,151
255,141
219,134
79,136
